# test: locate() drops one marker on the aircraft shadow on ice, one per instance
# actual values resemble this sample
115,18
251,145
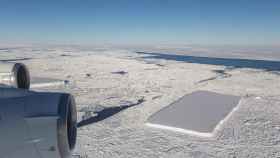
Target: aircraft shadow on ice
106,113
266,65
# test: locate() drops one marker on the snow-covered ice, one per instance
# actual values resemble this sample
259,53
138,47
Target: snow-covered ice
114,107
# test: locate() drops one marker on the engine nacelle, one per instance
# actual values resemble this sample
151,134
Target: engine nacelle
36,124
14,75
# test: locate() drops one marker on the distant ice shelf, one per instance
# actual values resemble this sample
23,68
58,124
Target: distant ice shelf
200,113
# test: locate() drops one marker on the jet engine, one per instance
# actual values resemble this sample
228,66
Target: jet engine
34,124
14,75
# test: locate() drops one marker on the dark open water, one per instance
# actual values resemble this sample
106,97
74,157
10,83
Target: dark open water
267,65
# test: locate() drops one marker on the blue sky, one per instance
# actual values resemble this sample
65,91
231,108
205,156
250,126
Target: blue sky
235,22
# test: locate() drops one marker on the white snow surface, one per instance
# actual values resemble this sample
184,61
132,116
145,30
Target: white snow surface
253,130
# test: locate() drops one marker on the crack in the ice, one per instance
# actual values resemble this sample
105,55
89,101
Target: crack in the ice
220,74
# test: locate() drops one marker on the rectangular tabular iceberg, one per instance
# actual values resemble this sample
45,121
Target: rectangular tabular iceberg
197,113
